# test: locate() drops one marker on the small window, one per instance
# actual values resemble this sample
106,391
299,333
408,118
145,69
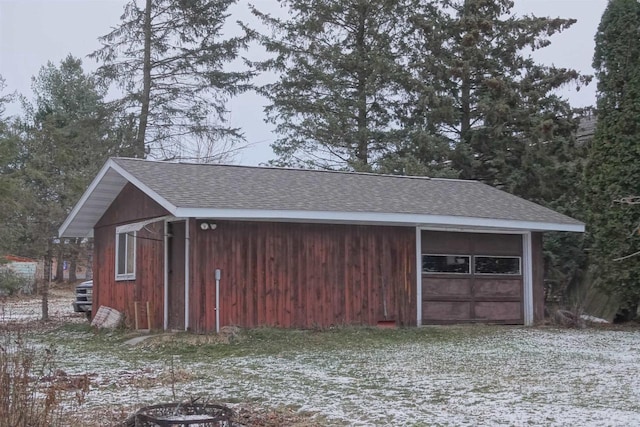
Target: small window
496,265
460,264
126,255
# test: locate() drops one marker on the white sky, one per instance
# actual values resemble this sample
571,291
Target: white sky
33,32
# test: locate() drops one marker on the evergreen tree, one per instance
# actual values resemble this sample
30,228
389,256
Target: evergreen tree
478,89
9,199
168,58
340,65
613,171
63,139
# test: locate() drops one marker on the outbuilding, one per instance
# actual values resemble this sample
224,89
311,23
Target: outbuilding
204,246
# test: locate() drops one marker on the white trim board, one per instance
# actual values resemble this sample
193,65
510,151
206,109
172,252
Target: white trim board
412,220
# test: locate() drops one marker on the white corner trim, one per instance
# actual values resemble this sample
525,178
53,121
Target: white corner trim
186,274
418,276
165,323
527,278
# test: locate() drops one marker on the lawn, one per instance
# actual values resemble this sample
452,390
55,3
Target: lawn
474,375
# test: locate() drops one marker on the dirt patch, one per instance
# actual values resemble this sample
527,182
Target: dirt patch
249,415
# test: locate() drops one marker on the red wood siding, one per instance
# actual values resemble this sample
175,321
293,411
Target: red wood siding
131,205
301,275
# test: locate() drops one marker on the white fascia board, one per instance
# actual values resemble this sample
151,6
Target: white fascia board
413,220
144,188
85,199
76,209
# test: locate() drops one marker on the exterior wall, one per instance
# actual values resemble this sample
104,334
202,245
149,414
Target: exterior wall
131,205
301,275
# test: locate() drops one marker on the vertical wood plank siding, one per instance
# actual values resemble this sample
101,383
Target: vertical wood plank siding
131,205
302,275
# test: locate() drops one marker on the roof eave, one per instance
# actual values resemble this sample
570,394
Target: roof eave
79,222
413,220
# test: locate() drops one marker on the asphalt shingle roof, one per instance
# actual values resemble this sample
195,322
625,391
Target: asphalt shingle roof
187,185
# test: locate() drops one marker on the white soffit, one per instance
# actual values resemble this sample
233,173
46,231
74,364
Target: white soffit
94,202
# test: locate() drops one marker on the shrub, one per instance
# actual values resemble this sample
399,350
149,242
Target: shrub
25,399
10,282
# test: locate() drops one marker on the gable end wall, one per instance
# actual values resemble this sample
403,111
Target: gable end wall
131,205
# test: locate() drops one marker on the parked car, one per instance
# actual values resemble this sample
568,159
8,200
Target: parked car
84,297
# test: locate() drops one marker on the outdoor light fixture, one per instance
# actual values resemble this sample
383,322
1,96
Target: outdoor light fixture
204,226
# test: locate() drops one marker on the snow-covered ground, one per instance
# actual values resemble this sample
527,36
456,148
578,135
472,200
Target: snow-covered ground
491,376
29,308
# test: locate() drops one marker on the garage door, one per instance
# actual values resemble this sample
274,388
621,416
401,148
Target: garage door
471,277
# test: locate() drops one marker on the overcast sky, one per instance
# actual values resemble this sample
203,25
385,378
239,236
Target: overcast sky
33,32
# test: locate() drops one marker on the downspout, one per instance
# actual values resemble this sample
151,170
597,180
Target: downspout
186,274
218,274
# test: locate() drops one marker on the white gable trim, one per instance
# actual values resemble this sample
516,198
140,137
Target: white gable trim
83,200
87,212
144,188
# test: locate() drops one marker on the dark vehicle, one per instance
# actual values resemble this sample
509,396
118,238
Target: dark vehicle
84,294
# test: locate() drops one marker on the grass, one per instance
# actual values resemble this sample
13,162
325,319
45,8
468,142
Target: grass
459,375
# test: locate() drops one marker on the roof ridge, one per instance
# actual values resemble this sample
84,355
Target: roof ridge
420,177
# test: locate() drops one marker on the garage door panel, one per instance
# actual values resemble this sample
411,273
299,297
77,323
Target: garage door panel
501,288
437,288
446,310
498,311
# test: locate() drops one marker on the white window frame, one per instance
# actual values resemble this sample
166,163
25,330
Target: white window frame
519,258
127,275
445,272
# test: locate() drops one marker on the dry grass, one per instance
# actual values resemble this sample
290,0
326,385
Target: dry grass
31,393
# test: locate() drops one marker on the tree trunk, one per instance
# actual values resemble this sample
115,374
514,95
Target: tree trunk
45,284
60,263
89,250
362,136
146,84
463,159
74,250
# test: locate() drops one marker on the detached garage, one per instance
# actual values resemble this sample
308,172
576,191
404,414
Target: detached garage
204,246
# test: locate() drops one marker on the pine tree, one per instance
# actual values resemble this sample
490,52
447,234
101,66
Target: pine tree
613,171
478,89
63,139
169,60
340,63
8,164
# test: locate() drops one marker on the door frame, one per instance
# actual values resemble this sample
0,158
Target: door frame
527,266
187,254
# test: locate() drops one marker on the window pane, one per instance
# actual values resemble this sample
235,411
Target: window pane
497,265
122,253
131,251
446,264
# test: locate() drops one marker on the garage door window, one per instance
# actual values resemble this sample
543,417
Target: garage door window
460,264
497,265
